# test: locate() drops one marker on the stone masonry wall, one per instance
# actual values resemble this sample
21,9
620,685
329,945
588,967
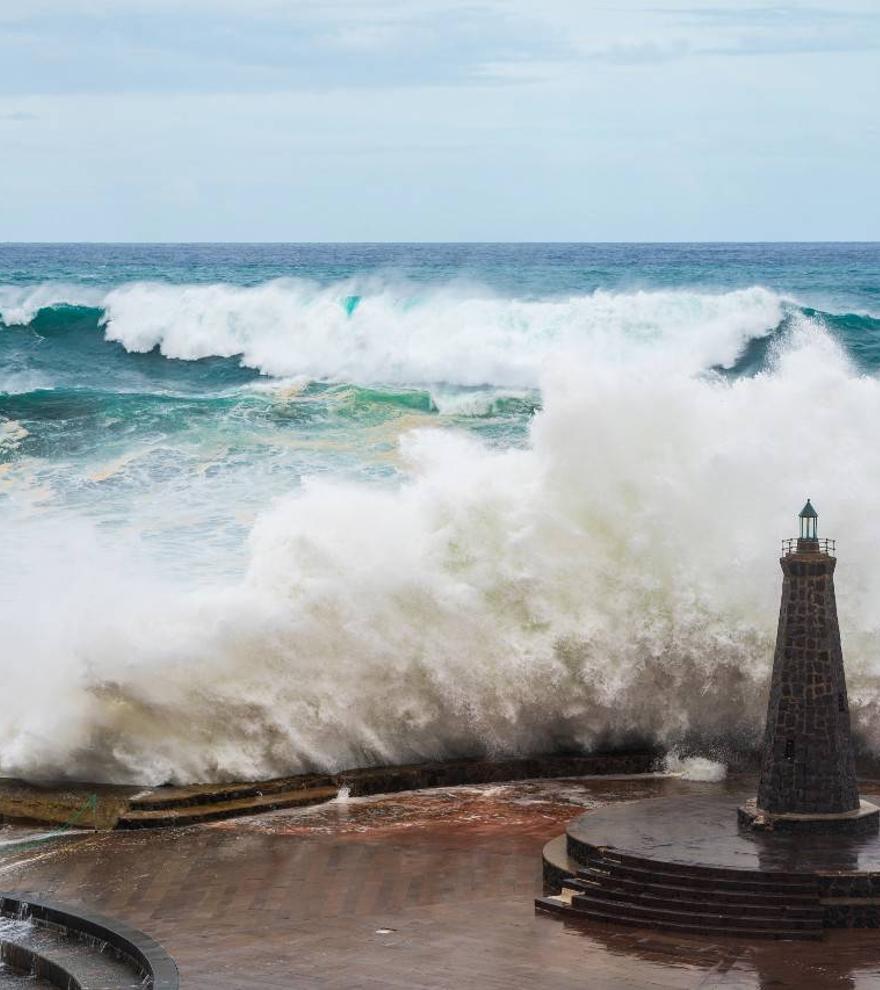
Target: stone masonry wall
808,765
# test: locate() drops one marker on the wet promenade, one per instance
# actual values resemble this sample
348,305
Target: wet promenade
424,890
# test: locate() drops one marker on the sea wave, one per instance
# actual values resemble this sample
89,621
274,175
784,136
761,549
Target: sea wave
403,333
613,579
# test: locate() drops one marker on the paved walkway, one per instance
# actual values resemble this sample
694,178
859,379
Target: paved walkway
429,890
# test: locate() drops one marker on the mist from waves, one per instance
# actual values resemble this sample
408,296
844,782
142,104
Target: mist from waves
614,578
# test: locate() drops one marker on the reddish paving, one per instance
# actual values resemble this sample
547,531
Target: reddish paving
430,890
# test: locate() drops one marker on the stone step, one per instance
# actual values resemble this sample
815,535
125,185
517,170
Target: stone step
11,980
215,811
773,879
166,798
750,920
67,960
657,899
559,905
738,899
707,879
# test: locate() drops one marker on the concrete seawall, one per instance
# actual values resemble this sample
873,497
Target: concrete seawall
101,806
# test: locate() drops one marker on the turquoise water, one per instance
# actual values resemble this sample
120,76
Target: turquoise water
237,464
101,422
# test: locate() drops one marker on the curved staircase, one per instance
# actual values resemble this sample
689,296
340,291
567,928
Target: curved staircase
622,889
48,945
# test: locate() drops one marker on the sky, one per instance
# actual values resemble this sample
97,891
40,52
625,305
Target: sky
443,120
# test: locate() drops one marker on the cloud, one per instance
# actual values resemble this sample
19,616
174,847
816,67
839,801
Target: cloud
746,14
641,52
130,49
779,29
135,46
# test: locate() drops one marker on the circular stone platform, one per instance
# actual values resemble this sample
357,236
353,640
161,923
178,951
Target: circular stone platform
704,831
864,820
688,863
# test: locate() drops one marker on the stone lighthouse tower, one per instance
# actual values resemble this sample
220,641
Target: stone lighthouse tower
808,778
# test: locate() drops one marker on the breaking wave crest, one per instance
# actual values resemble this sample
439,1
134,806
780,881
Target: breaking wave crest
408,334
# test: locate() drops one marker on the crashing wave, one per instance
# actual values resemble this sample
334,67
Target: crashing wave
613,578
406,334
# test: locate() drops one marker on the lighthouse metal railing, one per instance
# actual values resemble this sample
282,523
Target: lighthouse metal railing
796,545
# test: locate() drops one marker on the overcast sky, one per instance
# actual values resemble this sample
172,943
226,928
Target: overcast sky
439,120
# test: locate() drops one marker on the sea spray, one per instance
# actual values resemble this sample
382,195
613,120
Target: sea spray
614,577
694,767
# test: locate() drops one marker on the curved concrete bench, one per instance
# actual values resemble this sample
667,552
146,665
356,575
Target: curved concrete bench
81,939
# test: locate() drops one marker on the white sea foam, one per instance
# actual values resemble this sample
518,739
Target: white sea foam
11,434
401,333
616,575
694,767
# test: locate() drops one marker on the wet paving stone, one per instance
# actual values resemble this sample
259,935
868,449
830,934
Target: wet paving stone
424,890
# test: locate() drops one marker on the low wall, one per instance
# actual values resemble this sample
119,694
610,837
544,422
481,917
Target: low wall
101,807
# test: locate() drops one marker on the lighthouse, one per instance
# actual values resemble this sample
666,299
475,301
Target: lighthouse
808,777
